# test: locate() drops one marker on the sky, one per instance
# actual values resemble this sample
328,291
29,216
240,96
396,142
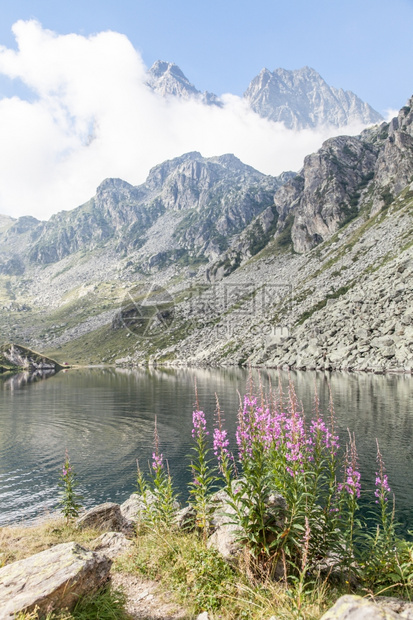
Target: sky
74,108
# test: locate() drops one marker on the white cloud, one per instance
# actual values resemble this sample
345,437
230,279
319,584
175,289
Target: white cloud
390,114
92,117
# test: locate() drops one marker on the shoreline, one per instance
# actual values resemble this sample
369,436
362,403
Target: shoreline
285,368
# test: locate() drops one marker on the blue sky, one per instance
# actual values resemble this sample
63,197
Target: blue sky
75,108
361,45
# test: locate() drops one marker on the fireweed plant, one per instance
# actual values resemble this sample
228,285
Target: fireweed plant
203,474
156,491
69,498
292,492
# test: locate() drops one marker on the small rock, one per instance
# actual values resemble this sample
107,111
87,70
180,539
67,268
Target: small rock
132,507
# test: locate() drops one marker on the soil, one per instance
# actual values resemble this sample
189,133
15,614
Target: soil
145,602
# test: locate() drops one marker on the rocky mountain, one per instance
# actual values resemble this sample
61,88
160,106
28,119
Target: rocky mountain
167,79
307,271
204,202
302,99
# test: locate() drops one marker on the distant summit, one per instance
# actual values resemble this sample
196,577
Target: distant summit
167,79
302,99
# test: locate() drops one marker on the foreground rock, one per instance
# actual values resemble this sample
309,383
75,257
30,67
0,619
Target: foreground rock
351,607
105,517
50,580
133,509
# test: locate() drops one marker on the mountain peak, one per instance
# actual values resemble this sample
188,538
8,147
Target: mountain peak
161,67
167,79
301,98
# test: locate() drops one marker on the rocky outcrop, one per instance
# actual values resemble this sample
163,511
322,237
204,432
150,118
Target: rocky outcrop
16,357
302,99
326,190
346,177
51,580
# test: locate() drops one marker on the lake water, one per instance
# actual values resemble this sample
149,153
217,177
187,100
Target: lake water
105,418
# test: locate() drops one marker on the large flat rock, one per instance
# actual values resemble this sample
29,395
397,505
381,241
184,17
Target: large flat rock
52,579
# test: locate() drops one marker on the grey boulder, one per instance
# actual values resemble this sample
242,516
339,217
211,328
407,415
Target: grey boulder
105,517
51,580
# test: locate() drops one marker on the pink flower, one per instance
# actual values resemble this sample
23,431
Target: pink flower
382,482
199,424
352,476
157,461
221,443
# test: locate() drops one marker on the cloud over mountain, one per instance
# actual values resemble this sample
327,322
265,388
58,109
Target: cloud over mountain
91,115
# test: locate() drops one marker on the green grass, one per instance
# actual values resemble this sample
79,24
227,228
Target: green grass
107,604
201,580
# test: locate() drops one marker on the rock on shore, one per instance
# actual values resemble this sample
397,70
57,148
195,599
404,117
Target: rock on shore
51,580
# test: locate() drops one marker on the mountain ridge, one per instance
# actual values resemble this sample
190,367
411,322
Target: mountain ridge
122,212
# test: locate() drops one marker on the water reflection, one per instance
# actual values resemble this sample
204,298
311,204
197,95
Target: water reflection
105,417
21,379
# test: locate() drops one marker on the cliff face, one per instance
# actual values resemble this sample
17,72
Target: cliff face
346,177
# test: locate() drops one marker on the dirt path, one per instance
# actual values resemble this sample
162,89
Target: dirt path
144,600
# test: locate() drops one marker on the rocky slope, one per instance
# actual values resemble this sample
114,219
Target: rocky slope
309,270
302,99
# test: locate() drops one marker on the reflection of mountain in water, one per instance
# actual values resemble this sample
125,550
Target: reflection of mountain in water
21,379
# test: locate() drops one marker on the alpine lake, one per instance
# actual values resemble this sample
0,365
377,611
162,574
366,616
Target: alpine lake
105,418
